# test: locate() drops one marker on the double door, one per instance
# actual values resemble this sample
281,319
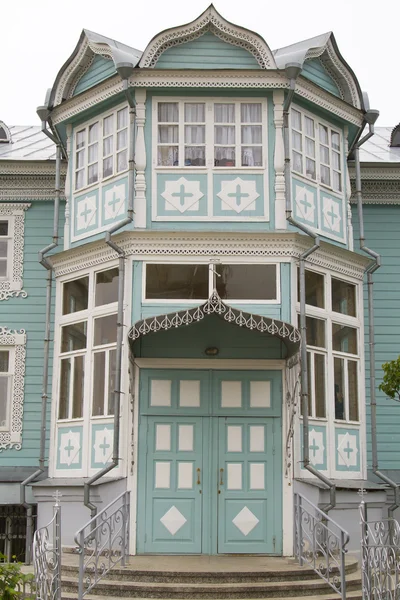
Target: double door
210,483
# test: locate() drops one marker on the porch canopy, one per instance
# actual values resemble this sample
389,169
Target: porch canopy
285,332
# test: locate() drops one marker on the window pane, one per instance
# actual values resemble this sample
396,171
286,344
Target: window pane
3,248
252,157
122,139
108,166
75,295
105,330
246,282
310,168
314,288
106,287
310,147
4,361
122,118
335,141
108,125
309,126
65,383
325,175
224,134
224,157
107,146
250,113
80,159
168,134
80,139
319,377
99,371
4,395
308,388
224,113
73,337
3,227
3,268
324,153
344,338
177,282
194,134
194,112
336,181
112,381
296,119
339,387
93,173
344,297
79,179
251,134
315,332
336,161
195,156
93,152
323,134
296,140
297,162
79,380
168,156
352,368
168,112
93,133
122,160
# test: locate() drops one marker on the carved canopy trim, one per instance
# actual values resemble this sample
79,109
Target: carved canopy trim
16,339
13,286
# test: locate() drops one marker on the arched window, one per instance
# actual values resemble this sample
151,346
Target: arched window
5,136
395,137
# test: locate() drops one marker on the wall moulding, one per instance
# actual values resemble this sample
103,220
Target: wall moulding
30,187
145,246
17,340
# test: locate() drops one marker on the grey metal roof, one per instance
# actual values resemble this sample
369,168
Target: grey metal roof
27,143
119,52
297,52
377,148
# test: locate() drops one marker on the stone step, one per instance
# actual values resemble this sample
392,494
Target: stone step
204,591
351,595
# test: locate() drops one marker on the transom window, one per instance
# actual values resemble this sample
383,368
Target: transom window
5,247
5,387
199,134
101,149
240,282
316,150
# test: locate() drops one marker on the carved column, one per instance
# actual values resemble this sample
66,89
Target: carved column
68,189
348,192
140,161
279,161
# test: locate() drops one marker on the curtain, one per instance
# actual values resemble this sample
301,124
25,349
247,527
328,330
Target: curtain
250,113
194,113
251,134
194,134
224,134
168,112
224,113
168,134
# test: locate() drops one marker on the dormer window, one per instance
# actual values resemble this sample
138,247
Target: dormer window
395,137
5,136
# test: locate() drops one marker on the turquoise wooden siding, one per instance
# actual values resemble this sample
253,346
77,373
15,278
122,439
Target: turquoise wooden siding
315,72
382,235
207,52
29,314
100,69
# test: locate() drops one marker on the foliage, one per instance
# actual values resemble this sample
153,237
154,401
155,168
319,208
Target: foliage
12,580
391,379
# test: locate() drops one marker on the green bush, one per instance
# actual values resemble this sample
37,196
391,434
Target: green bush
391,379
12,580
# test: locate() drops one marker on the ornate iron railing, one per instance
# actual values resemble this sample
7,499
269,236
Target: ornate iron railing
320,543
47,557
380,558
103,543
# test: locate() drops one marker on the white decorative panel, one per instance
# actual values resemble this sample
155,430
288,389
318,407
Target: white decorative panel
257,442
245,521
173,520
260,394
234,478
257,476
231,394
189,393
163,437
163,475
234,438
160,392
185,438
185,475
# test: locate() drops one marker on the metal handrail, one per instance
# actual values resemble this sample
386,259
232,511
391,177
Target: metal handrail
321,543
103,543
47,558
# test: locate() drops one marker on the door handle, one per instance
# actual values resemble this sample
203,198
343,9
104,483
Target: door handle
198,476
221,477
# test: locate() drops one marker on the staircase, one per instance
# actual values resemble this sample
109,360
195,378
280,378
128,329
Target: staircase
209,577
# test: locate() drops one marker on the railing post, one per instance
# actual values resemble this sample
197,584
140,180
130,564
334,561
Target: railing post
81,563
57,549
300,528
124,524
342,565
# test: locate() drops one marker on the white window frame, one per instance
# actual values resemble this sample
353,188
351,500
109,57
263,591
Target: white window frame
196,302
209,133
332,128
9,375
14,341
14,214
85,127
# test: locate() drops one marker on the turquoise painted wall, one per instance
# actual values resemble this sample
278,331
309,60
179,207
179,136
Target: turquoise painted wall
99,70
29,314
382,235
207,52
315,72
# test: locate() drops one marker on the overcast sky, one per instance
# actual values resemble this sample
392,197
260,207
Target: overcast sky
39,35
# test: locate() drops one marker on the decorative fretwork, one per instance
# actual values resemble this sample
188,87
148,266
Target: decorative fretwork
13,286
378,192
320,543
16,339
214,305
292,376
380,557
47,557
103,543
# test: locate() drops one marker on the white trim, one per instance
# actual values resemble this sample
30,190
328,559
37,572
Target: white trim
11,286
15,341
210,363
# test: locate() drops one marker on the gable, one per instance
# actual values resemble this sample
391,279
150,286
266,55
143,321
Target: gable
315,72
207,52
100,69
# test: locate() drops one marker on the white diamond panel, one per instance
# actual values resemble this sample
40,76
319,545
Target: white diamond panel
160,392
234,478
257,476
257,442
163,475
163,437
185,438
260,394
189,394
245,521
173,520
185,476
234,441
231,394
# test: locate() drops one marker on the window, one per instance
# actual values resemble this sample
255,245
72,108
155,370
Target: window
196,134
344,297
240,282
5,248
5,388
316,150
12,222
88,344
101,149
12,375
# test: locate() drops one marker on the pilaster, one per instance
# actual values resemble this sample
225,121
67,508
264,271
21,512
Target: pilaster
140,161
279,161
